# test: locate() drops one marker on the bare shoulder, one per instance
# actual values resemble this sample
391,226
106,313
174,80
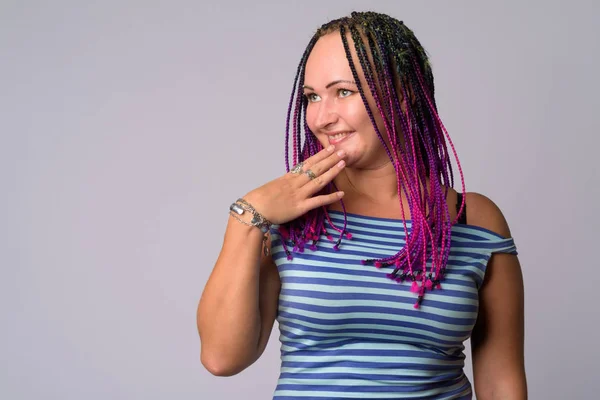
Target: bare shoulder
497,340
483,212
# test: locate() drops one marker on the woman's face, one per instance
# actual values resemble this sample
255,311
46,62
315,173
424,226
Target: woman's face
336,113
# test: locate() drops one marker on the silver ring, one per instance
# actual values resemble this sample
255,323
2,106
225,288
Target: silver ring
310,174
297,169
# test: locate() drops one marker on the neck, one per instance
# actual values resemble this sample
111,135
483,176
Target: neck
376,185
372,192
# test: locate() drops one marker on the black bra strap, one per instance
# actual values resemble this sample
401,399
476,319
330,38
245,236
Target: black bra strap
463,216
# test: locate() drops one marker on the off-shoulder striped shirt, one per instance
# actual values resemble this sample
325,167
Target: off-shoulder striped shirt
349,332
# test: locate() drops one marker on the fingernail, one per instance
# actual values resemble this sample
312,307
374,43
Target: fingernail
340,194
341,163
331,147
341,153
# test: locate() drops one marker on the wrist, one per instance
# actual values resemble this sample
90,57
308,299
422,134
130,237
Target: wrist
242,210
244,225
241,207
254,199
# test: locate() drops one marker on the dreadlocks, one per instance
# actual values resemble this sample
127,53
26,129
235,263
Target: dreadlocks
395,66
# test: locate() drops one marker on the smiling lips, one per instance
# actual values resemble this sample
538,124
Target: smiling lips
338,137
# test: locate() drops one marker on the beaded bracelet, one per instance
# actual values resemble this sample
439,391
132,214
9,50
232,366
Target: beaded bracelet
258,220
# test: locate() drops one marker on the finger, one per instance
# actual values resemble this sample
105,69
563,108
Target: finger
325,165
322,200
315,185
323,154
318,169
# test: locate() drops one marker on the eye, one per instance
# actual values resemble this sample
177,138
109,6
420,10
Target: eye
312,97
345,92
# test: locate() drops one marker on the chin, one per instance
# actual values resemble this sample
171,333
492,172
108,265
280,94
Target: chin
352,159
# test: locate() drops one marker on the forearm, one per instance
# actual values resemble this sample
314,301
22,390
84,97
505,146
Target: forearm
513,386
498,376
228,313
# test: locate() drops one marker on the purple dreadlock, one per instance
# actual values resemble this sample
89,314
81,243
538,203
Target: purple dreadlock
395,66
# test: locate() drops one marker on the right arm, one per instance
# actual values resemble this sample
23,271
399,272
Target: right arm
239,303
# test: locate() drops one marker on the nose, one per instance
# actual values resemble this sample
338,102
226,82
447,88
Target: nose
326,115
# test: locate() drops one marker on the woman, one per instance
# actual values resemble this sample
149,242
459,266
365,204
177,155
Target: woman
374,267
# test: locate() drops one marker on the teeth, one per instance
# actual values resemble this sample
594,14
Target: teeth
339,136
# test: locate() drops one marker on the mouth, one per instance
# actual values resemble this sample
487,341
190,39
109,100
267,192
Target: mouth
338,137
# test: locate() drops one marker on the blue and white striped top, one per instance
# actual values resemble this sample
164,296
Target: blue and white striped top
349,332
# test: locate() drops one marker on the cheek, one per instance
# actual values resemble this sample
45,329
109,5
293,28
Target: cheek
376,116
322,139
357,114
310,118
360,119
367,126
311,125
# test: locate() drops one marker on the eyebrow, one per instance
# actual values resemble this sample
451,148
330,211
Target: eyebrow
330,84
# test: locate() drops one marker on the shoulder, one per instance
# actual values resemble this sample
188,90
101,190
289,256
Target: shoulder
483,212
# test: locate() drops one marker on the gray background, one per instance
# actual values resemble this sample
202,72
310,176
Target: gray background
127,128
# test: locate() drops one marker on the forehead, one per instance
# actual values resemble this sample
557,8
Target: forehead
327,60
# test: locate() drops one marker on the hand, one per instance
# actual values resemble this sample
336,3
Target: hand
291,195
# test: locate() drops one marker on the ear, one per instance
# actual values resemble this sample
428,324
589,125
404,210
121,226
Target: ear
411,93
403,101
